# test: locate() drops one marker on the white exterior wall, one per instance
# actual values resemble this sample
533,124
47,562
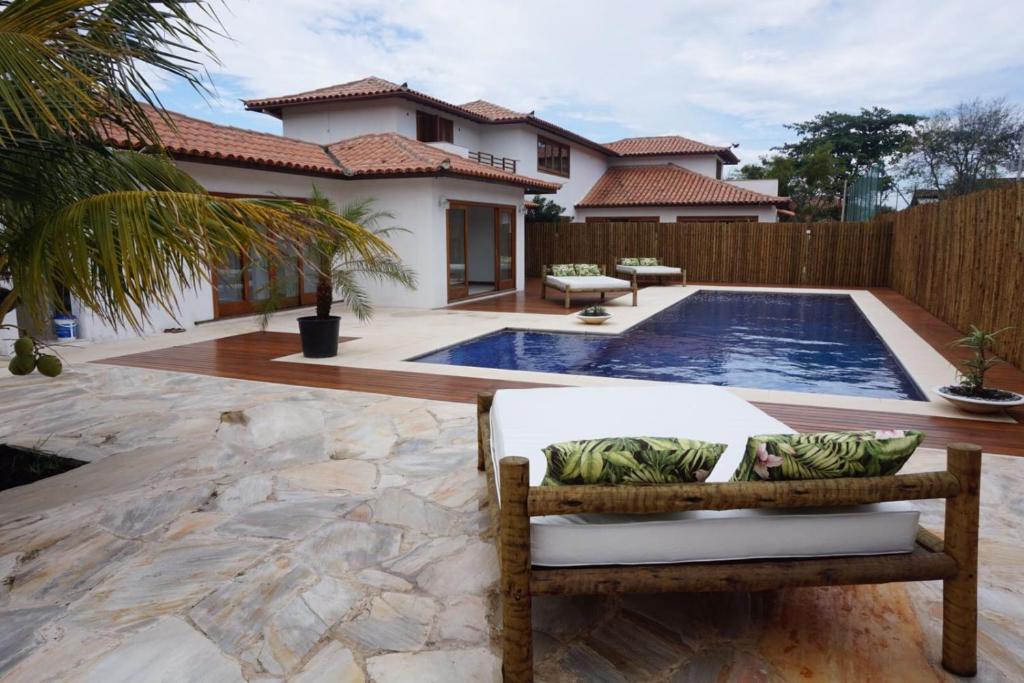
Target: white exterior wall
418,204
328,123
519,142
668,214
706,165
769,186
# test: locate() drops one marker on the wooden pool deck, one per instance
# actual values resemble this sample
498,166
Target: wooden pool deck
250,357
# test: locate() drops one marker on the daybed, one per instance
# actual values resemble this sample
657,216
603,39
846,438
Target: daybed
712,536
584,284
657,269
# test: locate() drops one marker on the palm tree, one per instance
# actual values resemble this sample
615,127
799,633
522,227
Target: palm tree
341,268
120,230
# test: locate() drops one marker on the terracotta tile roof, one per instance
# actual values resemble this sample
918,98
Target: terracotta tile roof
494,112
667,185
365,88
391,153
666,145
387,154
372,87
195,138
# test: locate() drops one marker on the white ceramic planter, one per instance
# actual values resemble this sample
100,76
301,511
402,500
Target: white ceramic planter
979,405
594,319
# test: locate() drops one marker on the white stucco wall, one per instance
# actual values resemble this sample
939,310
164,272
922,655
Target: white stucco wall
519,142
668,214
8,335
327,123
769,186
418,204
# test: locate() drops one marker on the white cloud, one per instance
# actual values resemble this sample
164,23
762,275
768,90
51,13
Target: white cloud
725,72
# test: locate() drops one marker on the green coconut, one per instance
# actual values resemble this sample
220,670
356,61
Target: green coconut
49,365
22,365
24,346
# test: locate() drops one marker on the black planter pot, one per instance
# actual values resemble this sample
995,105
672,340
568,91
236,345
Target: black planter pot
319,336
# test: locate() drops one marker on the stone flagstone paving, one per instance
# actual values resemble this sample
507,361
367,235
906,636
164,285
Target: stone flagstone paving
230,531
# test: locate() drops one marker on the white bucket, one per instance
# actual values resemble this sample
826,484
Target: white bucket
66,327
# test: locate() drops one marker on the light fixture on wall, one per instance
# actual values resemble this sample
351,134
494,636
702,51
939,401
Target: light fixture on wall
443,203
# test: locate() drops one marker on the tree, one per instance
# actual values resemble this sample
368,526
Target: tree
874,137
119,230
342,268
806,179
832,149
545,211
959,150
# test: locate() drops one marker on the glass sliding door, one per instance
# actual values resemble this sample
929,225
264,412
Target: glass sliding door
458,251
231,285
506,249
481,249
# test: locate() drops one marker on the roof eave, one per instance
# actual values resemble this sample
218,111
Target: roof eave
275,106
622,205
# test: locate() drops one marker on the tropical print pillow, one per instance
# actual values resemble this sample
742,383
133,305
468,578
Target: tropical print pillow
826,455
587,269
631,460
630,262
648,262
563,270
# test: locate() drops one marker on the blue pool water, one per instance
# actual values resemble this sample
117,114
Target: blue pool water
818,343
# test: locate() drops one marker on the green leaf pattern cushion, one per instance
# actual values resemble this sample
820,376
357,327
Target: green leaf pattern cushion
587,269
826,455
631,460
630,262
648,262
563,270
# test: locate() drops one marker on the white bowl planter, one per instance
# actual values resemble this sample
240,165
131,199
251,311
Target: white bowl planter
594,319
979,405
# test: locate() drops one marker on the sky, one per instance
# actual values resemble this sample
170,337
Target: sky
719,72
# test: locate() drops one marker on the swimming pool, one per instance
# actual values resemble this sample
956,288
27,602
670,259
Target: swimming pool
816,343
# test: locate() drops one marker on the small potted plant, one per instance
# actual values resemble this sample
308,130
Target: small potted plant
594,315
970,394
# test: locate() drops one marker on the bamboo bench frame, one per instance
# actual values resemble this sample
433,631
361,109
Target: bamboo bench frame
660,278
544,284
954,560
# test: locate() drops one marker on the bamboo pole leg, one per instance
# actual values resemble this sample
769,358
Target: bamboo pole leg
483,412
960,594
568,296
514,548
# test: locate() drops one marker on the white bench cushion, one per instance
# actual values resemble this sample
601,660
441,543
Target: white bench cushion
649,270
523,422
572,282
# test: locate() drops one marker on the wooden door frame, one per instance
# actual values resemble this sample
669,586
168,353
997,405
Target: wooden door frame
247,305
497,208
499,283
453,206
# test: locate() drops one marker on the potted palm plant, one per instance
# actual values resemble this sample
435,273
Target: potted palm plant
345,258
970,394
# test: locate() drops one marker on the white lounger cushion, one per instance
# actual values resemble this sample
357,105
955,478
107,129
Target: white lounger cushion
523,422
572,282
649,270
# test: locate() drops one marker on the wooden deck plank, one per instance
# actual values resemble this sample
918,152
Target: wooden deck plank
249,357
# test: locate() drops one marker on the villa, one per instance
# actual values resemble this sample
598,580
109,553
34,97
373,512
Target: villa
456,178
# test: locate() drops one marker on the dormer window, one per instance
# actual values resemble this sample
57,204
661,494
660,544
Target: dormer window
434,128
552,157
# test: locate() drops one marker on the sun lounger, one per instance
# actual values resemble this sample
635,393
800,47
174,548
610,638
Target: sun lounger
660,271
584,284
712,536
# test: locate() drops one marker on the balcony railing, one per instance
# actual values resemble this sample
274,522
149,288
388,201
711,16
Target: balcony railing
503,163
